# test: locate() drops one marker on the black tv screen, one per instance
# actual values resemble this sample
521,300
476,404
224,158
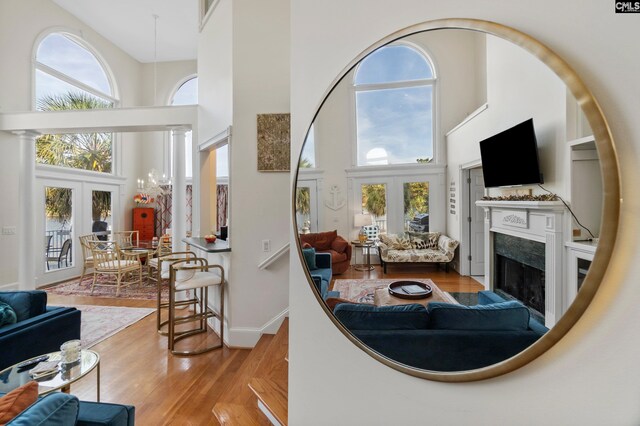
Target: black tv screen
510,157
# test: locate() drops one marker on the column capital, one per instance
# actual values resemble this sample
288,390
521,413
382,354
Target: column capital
179,129
26,133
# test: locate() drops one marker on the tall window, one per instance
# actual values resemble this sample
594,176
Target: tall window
394,101
68,76
308,158
186,94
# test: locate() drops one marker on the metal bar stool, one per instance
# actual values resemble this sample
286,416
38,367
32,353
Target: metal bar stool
198,275
161,265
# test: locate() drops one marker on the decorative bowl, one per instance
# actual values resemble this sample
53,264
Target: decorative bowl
210,238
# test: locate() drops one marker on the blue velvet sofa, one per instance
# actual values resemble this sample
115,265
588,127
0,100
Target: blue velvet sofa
39,328
444,337
320,269
61,409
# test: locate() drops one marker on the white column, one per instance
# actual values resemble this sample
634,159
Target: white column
26,226
178,189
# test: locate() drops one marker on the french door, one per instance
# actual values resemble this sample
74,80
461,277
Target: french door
307,206
67,209
395,201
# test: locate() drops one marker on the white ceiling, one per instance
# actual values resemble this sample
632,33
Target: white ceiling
129,24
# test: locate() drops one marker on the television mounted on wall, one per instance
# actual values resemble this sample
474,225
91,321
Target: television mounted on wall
510,158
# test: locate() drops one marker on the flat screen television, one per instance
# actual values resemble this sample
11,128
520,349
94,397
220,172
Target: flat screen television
510,158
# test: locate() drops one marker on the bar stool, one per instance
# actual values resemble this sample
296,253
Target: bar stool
197,275
161,265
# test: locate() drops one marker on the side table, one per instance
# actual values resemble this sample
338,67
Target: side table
368,245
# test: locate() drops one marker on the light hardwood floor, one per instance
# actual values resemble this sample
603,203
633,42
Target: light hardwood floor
137,369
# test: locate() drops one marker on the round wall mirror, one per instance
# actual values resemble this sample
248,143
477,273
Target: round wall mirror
456,200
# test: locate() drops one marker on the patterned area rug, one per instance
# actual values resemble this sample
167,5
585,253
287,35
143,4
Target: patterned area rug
101,322
362,291
136,291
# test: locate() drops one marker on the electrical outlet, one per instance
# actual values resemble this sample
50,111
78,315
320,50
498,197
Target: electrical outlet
266,245
8,230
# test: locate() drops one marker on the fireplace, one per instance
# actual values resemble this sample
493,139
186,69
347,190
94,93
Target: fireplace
524,251
520,270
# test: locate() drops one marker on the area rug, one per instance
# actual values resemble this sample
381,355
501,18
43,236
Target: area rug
76,288
101,322
468,299
362,291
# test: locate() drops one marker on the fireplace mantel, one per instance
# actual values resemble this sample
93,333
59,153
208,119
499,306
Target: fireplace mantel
542,221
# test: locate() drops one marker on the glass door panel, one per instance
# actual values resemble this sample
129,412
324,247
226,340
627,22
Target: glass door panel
374,202
101,214
416,206
58,210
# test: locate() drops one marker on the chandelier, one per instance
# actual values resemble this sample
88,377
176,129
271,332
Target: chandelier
151,188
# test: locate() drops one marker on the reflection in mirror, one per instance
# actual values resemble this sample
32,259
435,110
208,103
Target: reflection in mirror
408,248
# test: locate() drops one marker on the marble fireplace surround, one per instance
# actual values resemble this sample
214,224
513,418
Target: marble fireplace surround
543,221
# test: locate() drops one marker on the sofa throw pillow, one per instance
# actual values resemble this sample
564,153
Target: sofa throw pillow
310,258
16,401
431,238
7,315
419,244
396,242
504,316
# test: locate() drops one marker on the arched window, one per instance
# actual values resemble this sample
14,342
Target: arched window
185,94
65,66
69,76
394,102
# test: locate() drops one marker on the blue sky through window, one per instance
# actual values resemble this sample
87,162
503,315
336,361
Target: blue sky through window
66,56
394,124
187,94
391,64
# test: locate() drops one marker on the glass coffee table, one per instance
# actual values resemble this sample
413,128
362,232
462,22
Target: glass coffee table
13,377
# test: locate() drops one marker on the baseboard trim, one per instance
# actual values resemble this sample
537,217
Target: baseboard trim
265,410
246,337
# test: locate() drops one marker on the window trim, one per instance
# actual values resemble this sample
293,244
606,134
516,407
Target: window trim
435,116
77,37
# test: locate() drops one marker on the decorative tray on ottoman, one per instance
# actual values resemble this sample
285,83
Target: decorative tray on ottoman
409,289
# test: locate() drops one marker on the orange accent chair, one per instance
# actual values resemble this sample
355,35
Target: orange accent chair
332,243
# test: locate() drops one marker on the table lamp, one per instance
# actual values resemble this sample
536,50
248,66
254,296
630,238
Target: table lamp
360,220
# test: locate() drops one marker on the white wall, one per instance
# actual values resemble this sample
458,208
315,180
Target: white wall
168,76
591,376
519,87
256,36
215,67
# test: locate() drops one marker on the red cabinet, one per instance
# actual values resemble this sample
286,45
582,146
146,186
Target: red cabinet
144,222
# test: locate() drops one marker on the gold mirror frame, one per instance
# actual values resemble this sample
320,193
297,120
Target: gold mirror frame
611,199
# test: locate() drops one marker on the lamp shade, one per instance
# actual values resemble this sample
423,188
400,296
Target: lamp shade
361,219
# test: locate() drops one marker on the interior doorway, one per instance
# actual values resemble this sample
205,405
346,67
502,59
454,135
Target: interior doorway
475,221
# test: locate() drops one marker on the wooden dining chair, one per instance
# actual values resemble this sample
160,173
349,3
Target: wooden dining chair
110,260
127,238
87,256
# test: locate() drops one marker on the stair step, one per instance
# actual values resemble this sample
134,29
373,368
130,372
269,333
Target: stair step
237,406
270,382
234,414
273,395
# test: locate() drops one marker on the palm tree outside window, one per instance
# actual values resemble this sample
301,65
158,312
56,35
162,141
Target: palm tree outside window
68,76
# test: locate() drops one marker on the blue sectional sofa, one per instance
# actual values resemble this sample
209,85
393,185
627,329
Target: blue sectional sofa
61,409
39,328
444,337
320,269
